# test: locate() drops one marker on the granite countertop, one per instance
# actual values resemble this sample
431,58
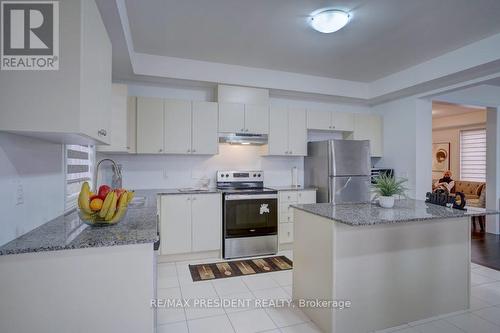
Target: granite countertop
404,211
187,190
291,188
67,232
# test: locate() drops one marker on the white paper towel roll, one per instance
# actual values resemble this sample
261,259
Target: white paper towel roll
295,176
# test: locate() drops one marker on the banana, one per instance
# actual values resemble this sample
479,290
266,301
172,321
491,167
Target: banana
112,208
121,208
130,196
84,199
89,217
106,204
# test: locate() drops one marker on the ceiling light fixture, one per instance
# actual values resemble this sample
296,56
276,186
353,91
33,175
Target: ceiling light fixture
328,21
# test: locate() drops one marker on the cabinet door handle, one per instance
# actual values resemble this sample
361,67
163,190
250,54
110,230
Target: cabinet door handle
188,198
189,150
193,151
160,150
194,198
333,127
102,132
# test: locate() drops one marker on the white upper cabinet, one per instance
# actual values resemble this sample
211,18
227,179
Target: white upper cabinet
119,121
231,117
343,121
177,127
369,127
278,131
330,121
297,132
150,125
319,120
72,104
256,119
243,118
167,126
132,124
287,132
204,131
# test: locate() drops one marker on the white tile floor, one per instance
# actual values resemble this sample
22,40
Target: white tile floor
174,282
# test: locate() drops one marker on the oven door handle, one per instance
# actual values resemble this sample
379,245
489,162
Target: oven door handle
230,197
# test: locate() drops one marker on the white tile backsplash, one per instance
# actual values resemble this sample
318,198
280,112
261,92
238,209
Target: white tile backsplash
171,171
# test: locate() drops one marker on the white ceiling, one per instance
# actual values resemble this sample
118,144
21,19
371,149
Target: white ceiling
444,109
384,36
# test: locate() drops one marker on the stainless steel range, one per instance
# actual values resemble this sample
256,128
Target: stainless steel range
250,214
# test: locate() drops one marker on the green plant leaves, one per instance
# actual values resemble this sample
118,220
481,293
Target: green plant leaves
388,186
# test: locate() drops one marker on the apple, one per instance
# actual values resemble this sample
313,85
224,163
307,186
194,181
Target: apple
119,192
103,191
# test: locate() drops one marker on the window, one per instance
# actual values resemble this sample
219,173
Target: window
473,155
79,167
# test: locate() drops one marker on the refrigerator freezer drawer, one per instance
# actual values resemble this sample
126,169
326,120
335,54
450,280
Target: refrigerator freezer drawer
349,189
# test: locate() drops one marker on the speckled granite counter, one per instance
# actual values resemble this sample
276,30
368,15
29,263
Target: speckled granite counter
67,232
170,191
291,188
403,211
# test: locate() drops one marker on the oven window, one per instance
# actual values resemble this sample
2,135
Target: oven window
251,217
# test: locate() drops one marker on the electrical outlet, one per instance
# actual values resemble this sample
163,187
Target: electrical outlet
19,194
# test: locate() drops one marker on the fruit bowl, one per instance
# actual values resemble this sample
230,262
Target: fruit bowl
95,220
108,207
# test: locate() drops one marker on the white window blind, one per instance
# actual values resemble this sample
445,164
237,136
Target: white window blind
473,155
79,165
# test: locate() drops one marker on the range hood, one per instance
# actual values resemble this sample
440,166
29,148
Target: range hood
243,138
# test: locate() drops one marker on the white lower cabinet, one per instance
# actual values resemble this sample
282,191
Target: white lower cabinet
175,219
190,223
285,214
206,222
285,233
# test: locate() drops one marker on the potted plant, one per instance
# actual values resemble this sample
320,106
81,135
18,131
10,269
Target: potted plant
386,187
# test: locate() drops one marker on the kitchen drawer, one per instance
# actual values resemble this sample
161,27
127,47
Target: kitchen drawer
306,197
286,217
288,197
285,233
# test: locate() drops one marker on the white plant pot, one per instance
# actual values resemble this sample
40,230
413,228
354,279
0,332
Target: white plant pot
386,202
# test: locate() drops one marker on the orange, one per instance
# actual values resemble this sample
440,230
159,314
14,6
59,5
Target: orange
96,204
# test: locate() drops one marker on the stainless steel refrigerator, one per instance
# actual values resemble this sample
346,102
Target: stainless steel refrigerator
339,169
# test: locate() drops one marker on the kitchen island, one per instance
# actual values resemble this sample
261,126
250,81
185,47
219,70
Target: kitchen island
65,276
394,266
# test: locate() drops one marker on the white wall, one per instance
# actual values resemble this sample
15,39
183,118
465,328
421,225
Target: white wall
36,168
171,171
407,142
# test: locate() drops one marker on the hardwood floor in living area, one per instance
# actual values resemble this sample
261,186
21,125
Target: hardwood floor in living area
485,249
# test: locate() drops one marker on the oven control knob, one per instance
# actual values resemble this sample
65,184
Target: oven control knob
227,175
222,175
258,175
254,175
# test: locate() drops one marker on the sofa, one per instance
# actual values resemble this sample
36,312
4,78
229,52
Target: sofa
475,192
472,190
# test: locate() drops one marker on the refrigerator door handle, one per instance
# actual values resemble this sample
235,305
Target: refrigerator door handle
345,185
